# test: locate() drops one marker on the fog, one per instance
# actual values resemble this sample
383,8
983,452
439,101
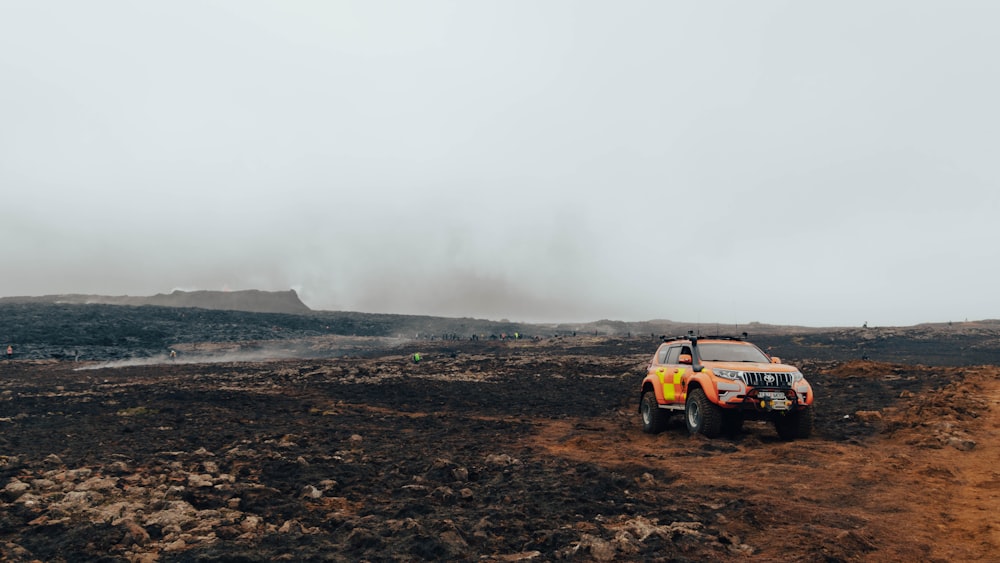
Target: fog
802,163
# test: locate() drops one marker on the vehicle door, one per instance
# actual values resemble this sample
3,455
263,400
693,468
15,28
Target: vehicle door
669,371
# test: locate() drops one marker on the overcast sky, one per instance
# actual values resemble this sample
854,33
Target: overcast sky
812,163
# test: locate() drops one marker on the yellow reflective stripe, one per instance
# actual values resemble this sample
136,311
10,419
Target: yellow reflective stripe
673,390
679,385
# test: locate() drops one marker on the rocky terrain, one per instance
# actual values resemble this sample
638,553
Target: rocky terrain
317,437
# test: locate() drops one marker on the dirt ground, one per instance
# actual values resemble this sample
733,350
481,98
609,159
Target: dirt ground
483,451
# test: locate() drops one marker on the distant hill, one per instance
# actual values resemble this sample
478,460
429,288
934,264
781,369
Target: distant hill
678,328
96,327
250,300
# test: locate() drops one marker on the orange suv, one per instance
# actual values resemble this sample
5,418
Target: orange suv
718,382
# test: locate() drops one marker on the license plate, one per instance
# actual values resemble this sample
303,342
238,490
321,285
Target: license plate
771,395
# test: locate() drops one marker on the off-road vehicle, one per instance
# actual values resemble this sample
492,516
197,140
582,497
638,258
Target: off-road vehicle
718,382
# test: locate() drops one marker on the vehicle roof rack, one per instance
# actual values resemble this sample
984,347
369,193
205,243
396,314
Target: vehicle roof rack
690,335
724,337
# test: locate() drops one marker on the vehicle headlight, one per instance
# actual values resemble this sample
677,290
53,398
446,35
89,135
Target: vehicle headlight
797,376
727,373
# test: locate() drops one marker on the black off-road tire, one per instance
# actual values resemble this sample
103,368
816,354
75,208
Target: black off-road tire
702,416
795,425
654,419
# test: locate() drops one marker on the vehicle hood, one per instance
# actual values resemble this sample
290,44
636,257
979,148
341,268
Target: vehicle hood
750,366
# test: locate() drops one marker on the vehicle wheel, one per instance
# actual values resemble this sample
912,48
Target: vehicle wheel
732,422
654,420
798,424
702,416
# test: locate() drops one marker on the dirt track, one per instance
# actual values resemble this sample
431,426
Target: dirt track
484,452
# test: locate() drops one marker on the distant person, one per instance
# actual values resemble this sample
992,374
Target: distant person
10,352
173,354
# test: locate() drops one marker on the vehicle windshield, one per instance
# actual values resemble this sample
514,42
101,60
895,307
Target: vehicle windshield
722,352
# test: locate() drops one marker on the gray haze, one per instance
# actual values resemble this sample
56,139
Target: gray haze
815,163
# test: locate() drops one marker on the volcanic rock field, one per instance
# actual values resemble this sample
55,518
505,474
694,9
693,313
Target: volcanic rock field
316,437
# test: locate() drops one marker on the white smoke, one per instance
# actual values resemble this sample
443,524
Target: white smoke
228,357
325,347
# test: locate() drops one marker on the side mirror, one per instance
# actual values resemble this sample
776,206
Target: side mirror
685,359
775,360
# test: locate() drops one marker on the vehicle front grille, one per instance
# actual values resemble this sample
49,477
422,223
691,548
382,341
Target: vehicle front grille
768,379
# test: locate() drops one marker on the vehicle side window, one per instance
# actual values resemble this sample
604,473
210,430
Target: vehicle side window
661,355
673,355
